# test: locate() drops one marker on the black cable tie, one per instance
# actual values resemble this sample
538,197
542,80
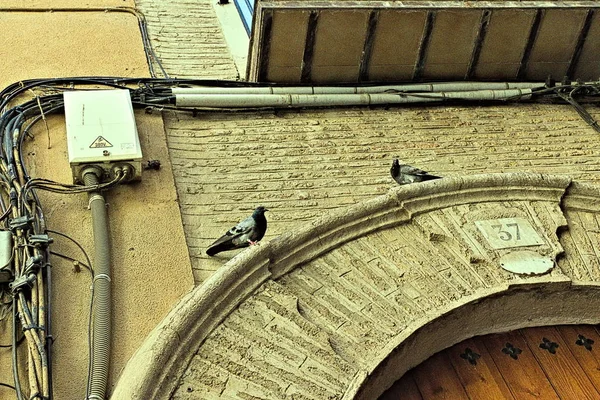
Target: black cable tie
28,327
32,326
39,396
36,395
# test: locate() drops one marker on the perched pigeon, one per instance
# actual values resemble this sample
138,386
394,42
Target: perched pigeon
405,174
247,232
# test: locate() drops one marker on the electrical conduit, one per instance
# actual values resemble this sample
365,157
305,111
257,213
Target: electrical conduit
101,332
231,100
415,87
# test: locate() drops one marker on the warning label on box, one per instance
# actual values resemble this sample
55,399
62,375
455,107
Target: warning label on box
100,142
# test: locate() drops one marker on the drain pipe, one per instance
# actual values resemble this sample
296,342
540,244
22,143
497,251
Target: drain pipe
101,332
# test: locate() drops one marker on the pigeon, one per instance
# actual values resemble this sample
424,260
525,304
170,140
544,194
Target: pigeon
405,174
248,232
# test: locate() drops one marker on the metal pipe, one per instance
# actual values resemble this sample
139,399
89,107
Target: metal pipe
15,367
330,100
102,291
419,87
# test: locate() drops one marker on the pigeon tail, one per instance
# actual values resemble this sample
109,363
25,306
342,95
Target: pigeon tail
429,177
222,246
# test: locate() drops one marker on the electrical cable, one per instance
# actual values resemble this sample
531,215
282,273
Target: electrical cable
10,345
77,262
8,386
76,243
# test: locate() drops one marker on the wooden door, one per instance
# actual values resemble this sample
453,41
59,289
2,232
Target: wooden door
558,362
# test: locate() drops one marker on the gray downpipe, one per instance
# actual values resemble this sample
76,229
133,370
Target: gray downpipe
101,331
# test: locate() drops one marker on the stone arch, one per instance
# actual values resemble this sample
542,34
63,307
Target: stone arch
341,308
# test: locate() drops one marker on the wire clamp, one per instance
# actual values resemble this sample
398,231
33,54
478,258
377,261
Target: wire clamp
33,263
40,240
101,276
94,198
20,222
20,282
32,326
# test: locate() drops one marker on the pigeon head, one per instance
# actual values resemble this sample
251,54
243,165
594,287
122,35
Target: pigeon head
396,162
260,210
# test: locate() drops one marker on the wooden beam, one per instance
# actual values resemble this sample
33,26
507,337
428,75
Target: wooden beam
265,47
437,380
588,358
483,26
533,32
481,380
420,64
420,4
363,74
309,46
585,28
405,388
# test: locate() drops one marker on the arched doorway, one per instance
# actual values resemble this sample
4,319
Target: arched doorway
345,306
555,362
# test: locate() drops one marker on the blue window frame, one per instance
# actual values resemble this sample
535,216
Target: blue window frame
245,9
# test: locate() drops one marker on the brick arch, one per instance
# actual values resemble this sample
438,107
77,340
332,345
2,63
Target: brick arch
344,306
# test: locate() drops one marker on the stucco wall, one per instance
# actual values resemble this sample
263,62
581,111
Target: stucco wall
150,260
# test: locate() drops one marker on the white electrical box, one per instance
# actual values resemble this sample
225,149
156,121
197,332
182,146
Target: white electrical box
101,131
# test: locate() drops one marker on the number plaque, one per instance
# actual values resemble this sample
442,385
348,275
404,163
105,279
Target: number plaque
509,232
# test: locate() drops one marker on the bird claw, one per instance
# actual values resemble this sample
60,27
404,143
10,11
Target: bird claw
253,243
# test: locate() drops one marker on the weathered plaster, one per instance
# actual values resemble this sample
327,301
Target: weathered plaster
151,266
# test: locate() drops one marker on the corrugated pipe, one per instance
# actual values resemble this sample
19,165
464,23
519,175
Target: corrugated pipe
332,100
417,87
101,331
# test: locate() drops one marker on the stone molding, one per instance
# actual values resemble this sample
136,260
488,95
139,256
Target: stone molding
154,370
